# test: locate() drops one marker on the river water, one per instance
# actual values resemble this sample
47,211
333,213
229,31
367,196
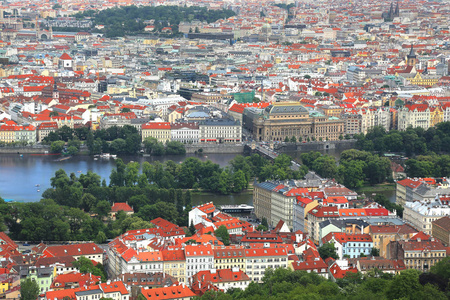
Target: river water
25,178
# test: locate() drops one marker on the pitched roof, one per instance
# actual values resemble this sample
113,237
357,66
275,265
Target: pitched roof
75,250
65,56
121,206
171,292
443,223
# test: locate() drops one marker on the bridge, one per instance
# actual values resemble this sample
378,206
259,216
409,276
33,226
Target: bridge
269,153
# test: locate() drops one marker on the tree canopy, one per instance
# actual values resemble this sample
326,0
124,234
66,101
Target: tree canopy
129,20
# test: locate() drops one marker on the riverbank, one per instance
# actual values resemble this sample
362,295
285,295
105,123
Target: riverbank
35,149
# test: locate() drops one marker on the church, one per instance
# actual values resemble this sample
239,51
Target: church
392,13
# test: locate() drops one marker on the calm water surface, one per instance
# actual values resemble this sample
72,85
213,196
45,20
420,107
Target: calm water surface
20,175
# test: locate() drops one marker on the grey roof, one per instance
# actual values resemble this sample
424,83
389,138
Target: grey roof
267,185
341,223
88,292
282,109
198,114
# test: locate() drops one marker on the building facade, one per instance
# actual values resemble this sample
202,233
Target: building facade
289,120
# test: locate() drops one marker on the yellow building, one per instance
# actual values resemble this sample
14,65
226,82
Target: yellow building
158,130
227,257
151,42
175,264
436,115
4,286
422,79
382,235
7,134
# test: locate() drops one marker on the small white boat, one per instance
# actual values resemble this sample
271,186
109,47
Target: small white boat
37,185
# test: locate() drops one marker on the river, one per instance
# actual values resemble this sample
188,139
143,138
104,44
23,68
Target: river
20,175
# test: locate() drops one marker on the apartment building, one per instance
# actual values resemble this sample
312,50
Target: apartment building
414,115
158,130
440,229
228,257
174,264
220,131
257,260
350,245
421,214
198,258
382,235
421,252
187,133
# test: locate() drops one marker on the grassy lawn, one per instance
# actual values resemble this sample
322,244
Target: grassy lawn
376,188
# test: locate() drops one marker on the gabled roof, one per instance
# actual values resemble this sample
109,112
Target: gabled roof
121,206
171,292
65,56
74,250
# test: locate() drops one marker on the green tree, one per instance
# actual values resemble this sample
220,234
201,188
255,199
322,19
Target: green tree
264,222
293,139
29,289
239,181
261,228
325,166
100,238
222,234
404,286
442,268
57,146
72,150
375,252
328,250
103,208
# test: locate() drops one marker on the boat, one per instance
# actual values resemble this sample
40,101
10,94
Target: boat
241,208
64,158
79,171
105,155
37,185
38,190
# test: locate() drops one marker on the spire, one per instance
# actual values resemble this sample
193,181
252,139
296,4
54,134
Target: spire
411,53
397,10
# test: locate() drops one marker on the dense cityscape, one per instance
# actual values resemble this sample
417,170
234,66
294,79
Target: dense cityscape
334,117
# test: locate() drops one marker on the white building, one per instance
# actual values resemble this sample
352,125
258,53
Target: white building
198,258
421,214
187,133
414,115
258,260
220,131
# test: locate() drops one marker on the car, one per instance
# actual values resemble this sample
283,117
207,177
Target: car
26,251
25,244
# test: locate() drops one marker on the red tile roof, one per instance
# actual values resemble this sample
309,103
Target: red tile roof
121,206
65,56
170,292
74,250
156,125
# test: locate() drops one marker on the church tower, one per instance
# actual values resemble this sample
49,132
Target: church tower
55,93
391,11
411,58
397,11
